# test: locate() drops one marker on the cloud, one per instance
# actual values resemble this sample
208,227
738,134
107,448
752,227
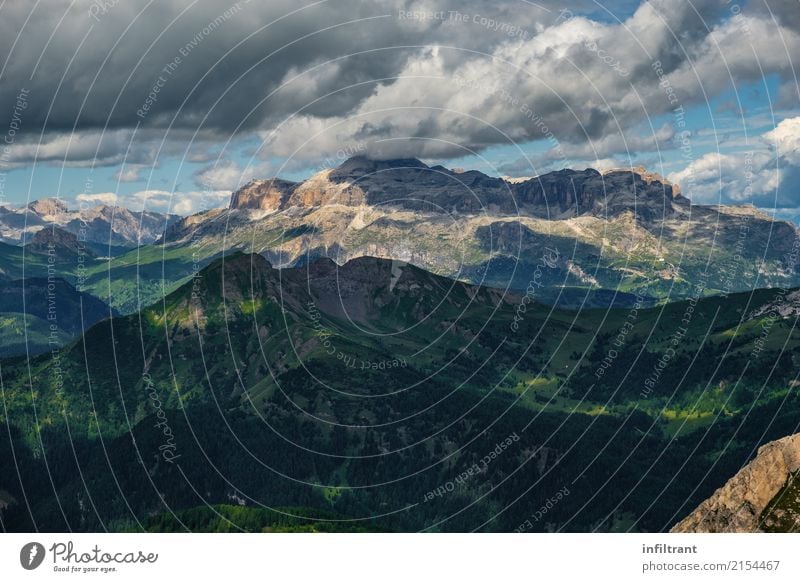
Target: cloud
176,202
659,140
106,198
228,175
75,149
393,78
765,178
95,148
183,203
224,175
613,151
785,138
129,174
563,84
538,165
212,63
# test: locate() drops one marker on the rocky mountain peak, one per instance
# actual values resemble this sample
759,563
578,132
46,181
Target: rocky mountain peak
268,195
359,166
48,207
646,176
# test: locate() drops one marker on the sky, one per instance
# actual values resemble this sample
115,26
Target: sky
170,105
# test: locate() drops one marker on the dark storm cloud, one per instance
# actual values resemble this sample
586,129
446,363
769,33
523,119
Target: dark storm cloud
786,12
334,73
217,56
120,60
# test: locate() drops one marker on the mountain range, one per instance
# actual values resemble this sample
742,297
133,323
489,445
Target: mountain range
113,227
339,353
627,231
580,239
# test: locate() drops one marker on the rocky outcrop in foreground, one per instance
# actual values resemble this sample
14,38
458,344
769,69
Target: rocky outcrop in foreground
738,505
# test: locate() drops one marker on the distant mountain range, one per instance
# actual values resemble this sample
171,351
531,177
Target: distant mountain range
575,239
112,226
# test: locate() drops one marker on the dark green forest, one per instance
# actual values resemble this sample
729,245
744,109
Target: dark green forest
329,398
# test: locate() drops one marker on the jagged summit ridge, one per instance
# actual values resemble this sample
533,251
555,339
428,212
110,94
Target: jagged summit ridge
358,166
103,224
46,207
625,228
413,185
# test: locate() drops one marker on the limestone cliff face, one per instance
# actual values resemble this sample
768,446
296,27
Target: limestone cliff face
262,195
412,185
737,506
321,189
48,207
